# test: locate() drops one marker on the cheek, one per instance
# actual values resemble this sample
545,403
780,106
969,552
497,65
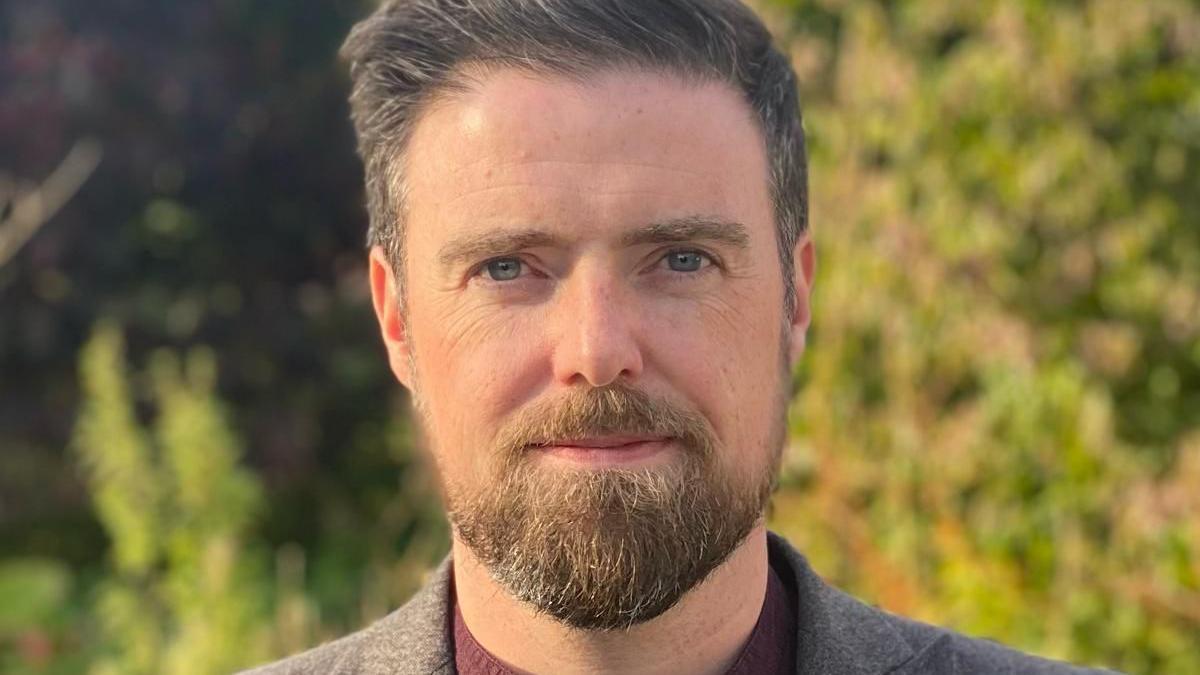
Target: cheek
473,368
723,356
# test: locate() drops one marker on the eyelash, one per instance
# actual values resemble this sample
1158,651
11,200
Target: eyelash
481,270
713,262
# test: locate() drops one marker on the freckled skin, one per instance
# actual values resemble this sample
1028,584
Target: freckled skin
587,162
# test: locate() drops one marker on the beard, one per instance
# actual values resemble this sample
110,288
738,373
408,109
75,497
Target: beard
606,549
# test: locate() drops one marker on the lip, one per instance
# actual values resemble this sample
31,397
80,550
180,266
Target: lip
605,450
605,442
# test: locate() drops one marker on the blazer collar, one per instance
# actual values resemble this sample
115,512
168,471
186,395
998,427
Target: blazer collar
837,633
416,638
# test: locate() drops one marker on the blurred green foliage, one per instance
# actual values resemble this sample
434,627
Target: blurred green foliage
185,592
997,427
175,503
998,422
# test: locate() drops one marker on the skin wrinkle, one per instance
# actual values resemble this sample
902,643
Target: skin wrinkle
466,168
541,186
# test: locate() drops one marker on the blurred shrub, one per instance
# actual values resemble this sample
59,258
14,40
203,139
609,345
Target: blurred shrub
185,593
998,420
34,606
30,592
180,597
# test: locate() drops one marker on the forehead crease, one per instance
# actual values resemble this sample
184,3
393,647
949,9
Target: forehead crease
506,162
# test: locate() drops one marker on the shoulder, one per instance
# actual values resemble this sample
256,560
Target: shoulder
840,633
412,639
938,650
343,656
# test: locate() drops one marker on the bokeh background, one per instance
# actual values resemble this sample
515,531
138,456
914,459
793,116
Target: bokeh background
205,463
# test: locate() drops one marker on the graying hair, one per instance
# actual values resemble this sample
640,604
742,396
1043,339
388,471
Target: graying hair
410,51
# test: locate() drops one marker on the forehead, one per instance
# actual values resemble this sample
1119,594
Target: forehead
614,146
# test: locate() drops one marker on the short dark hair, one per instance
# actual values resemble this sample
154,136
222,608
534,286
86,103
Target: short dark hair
409,51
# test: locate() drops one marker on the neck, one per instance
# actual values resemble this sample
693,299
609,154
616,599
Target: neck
703,633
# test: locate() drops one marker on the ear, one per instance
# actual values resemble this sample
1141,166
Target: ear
392,326
804,267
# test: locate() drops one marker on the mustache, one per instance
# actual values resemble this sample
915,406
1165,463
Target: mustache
615,409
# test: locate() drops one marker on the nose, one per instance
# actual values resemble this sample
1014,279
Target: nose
597,341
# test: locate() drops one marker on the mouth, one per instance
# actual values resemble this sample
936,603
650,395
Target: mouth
605,450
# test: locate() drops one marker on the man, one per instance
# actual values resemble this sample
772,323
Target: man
590,265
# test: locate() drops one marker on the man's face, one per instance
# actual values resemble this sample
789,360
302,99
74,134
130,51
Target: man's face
594,332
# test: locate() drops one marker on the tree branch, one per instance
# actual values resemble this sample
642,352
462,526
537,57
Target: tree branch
24,211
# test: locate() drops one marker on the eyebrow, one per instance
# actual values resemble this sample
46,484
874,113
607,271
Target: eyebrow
475,246
689,228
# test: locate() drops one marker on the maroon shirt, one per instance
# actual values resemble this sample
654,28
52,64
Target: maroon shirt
770,649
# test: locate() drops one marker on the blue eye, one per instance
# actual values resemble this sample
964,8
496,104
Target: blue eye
504,269
685,261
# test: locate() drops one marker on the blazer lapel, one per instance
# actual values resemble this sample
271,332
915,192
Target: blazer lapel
415,639
837,633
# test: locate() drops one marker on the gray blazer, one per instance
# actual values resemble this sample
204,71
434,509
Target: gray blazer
838,634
